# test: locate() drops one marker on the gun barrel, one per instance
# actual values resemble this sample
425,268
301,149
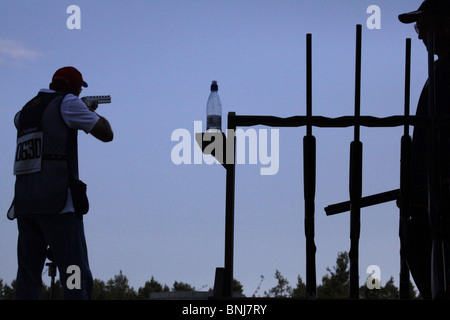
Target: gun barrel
99,99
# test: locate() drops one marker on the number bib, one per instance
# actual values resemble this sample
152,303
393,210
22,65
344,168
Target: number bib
28,153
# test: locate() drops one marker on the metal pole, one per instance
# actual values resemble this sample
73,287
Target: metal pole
405,161
229,214
355,179
309,181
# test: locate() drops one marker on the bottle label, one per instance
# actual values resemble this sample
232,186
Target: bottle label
214,122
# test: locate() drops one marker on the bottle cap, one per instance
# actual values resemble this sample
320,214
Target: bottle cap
214,86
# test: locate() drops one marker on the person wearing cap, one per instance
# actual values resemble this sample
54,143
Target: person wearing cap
431,18
45,204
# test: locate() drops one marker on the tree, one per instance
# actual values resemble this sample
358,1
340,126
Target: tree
118,288
335,284
282,289
181,286
389,291
259,286
237,286
57,294
299,292
150,287
6,291
99,291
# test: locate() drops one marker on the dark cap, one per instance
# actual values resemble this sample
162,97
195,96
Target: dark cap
427,7
214,86
68,77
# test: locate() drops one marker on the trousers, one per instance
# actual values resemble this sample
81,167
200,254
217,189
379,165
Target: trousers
428,250
419,251
64,234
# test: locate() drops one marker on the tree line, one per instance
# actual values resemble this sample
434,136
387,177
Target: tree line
334,286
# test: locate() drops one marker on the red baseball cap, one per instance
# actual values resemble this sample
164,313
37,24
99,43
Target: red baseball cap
68,77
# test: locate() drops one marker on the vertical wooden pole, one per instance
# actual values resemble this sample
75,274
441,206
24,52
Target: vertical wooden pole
309,181
355,179
229,214
405,162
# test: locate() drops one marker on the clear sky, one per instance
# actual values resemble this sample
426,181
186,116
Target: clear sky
151,217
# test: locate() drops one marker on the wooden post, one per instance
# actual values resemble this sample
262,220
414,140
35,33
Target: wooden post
355,179
229,215
405,188
309,181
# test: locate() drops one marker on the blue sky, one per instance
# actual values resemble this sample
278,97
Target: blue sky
150,217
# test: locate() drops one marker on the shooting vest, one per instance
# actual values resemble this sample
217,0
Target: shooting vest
45,147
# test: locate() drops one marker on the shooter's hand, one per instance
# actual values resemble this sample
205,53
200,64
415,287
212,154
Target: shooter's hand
92,105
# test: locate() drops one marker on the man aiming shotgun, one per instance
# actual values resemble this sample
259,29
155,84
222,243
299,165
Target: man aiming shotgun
49,199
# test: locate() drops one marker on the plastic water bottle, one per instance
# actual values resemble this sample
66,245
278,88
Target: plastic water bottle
214,109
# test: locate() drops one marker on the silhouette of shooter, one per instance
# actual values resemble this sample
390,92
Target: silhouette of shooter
432,17
46,199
